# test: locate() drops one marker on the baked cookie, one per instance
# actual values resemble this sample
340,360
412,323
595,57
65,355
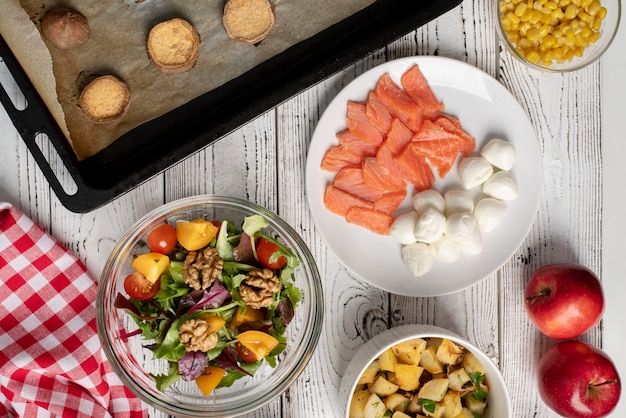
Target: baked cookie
248,21
173,45
105,99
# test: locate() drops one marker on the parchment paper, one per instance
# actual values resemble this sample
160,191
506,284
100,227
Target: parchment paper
117,45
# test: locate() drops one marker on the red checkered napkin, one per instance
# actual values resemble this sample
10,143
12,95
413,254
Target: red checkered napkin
51,360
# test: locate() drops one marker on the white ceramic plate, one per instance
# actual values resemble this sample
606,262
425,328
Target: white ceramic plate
486,110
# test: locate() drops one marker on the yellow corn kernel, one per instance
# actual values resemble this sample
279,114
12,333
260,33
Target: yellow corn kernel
587,18
557,14
593,8
551,5
533,35
533,56
585,3
601,13
549,42
544,30
520,10
597,24
594,37
571,11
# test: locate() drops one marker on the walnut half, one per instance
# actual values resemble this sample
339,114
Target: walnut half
258,288
194,334
201,268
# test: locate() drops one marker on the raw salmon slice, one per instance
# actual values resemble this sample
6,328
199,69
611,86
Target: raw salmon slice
398,137
440,153
415,168
338,157
374,220
350,179
377,177
417,87
339,202
356,145
453,125
377,113
384,157
389,202
399,103
360,126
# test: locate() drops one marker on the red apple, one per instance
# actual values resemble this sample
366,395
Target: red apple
578,380
564,300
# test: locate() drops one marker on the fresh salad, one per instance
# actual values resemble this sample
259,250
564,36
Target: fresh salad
212,298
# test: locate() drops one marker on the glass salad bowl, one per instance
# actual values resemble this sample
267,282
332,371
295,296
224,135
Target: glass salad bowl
136,358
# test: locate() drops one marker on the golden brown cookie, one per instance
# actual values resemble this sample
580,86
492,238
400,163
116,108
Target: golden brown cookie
105,99
173,45
248,21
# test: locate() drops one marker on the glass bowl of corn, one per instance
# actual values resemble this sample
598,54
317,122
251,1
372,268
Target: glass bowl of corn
558,35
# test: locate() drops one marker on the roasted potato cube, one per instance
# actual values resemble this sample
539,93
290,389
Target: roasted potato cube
383,387
474,405
429,360
369,374
465,413
408,376
374,407
460,381
452,403
471,364
396,402
414,407
434,389
409,352
449,353
399,414
388,360
357,403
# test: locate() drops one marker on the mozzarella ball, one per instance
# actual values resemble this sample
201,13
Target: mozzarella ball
445,249
501,185
403,227
428,198
474,171
417,258
460,225
458,201
430,226
499,153
489,212
472,244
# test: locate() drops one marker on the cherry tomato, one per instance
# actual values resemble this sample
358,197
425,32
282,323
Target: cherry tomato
264,250
138,287
162,239
245,354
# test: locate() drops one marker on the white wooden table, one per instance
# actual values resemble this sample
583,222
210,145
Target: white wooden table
578,121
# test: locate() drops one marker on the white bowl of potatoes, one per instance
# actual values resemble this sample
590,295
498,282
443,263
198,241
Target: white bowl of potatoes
415,371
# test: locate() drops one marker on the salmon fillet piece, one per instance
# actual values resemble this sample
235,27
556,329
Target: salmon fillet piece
377,177
377,113
440,153
389,202
374,220
384,157
398,137
350,179
360,126
399,103
339,202
415,168
453,125
417,87
338,157
356,145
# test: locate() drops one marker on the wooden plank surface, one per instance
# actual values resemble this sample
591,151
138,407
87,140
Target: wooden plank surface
264,162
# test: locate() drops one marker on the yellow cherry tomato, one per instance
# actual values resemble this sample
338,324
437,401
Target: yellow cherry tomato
193,235
209,380
259,343
151,265
215,323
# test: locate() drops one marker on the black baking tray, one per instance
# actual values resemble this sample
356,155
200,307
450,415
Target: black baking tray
156,145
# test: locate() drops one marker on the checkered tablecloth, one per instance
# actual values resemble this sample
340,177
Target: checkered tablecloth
51,360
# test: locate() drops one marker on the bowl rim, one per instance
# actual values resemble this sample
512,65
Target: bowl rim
312,319
392,336
579,64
